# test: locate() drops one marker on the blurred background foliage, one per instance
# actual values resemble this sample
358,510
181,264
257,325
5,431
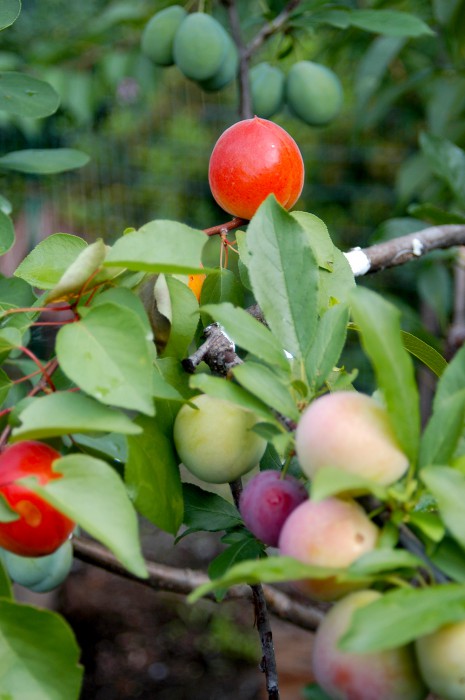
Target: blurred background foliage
150,131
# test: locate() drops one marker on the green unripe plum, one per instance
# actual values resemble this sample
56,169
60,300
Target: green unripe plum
382,675
40,574
313,93
332,533
215,441
441,656
352,432
267,88
227,71
158,35
200,46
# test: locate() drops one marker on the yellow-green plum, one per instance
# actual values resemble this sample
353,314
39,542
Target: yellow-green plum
215,440
331,533
381,675
350,431
441,656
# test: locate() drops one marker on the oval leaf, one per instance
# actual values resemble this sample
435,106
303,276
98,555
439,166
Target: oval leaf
27,96
49,260
9,12
46,161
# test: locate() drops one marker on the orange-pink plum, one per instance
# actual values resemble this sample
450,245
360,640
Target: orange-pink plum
350,431
441,656
381,675
330,533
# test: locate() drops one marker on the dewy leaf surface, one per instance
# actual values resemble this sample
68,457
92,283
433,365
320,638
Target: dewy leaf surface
284,276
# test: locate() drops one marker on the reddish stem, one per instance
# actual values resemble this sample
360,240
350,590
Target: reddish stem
39,364
36,309
225,228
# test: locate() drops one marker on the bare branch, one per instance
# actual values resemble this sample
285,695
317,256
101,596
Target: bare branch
245,97
400,250
183,581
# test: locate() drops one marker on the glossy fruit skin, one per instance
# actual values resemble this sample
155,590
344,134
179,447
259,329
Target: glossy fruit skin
313,93
383,675
331,533
41,528
267,88
200,46
159,32
251,160
40,574
267,501
215,442
441,659
350,431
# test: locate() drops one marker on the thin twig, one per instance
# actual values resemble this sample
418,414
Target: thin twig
271,28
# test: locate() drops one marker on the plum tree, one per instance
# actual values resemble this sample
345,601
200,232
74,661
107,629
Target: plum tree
251,160
267,88
39,574
39,528
328,533
441,660
158,36
385,675
313,92
200,46
266,502
215,440
350,431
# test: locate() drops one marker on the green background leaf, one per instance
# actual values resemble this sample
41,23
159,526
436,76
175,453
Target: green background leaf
44,161
9,11
27,96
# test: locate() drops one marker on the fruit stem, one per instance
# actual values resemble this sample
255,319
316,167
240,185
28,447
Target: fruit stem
262,620
222,229
39,364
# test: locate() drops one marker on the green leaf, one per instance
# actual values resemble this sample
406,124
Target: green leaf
284,276
447,161
435,215
224,389
448,487
449,558
390,22
9,338
9,12
379,325
160,246
184,318
373,66
152,477
249,333
121,296
331,480
62,413
403,615
222,286
424,352
443,430
79,272
7,233
247,548
107,355
270,570
452,380
49,260
314,692
26,96
6,588
318,237
204,510
15,292
40,656
380,561
268,386
327,345
337,284
46,161
92,494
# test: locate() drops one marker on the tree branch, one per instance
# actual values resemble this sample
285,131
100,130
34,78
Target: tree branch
271,28
183,581
245,97
400,250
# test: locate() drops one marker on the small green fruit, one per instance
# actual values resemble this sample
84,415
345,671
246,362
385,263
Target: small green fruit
215,441
313,93
39,574
267,88
200,46
227,71
158,35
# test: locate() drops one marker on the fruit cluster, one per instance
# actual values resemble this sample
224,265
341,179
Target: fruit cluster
204,52
312,91
197,43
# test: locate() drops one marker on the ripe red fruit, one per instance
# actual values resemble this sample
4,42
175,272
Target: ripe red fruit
251,160
266,502
41,528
